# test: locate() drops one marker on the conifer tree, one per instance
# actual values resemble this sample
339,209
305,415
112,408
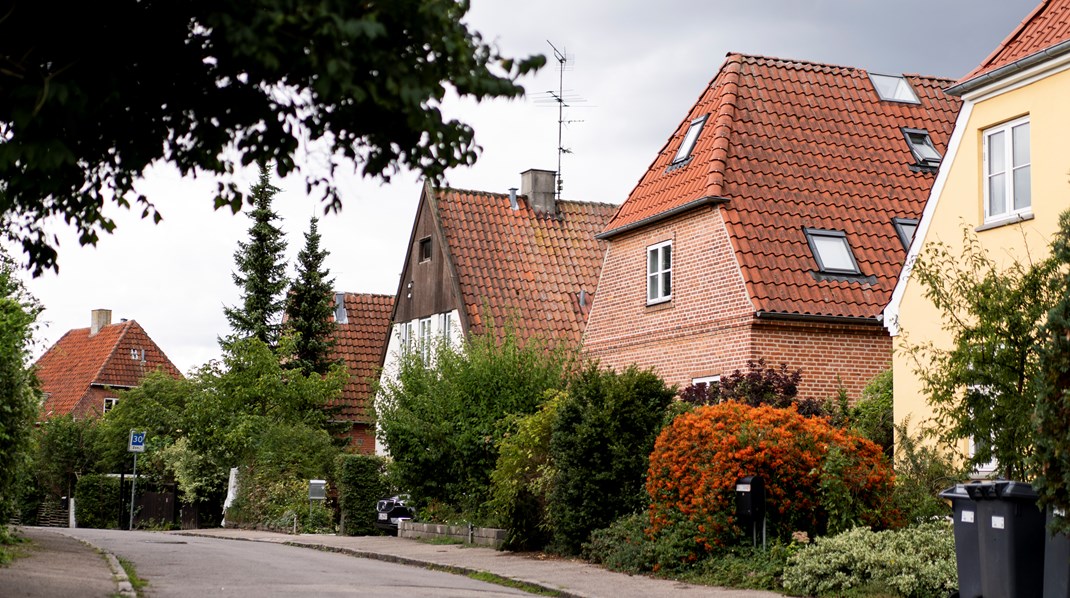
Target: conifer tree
308,307
261,271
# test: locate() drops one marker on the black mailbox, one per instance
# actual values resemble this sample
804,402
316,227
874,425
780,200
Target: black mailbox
750,498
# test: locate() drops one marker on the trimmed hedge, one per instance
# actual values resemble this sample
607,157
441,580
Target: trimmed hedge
360,481
96,501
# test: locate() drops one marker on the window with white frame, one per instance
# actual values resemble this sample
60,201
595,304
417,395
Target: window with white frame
905,229
659,272
832,251
405,336
893,88
446,322
688,143
1006,166
921,145
425,338
110,403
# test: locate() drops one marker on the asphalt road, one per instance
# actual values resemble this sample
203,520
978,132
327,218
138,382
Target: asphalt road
186,566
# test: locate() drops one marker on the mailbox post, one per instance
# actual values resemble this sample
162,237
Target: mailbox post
317,490
750,505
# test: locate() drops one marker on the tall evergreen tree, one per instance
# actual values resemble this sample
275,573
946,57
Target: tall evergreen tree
261,270
308,307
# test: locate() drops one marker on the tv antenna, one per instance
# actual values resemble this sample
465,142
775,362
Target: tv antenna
563,101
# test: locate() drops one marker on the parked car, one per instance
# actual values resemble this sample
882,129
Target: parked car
392,510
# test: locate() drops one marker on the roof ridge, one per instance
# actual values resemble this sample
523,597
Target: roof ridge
722,124
1017,32
788,61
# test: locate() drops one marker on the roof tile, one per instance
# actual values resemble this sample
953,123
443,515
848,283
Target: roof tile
359,344
1046,26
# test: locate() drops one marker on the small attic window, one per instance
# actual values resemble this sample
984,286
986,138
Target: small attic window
425,249
688,144
921,145
905,228
340,316
893,88
832,251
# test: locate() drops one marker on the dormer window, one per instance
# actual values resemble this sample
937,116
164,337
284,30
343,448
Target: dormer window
340,315
832,251
905,228
688,144
893,88
921,145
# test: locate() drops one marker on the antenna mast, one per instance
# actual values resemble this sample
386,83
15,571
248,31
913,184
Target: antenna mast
562,59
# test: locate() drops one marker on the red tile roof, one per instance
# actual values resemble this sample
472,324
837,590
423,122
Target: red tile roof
359,344
520,267
792,145
1046,26
111,358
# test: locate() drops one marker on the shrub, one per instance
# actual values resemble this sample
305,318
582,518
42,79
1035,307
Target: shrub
623,546
600,446
761,385
921,472
872,416
96,501
815,475
360,481
914,561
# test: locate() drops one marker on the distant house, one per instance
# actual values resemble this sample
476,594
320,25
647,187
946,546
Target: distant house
773,224
480,261
1005,177
82,373
362,322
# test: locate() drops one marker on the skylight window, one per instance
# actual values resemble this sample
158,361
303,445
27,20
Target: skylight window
832,251
905,228
921,145
893,88
688,144
340,315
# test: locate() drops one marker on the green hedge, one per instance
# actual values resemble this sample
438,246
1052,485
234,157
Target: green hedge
360,481
96,501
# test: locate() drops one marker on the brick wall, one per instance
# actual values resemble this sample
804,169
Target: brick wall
708,327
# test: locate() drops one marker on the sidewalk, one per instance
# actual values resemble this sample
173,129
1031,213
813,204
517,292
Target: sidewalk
54,564
572,578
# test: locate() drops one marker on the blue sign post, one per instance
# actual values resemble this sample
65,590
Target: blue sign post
136,445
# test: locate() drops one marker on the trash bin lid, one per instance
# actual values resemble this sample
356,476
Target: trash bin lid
981,490
956,492
1019,490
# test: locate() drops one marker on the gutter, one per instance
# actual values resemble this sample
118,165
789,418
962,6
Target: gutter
709,200
1017,66
815,318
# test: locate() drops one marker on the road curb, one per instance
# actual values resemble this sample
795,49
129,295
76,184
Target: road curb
122,583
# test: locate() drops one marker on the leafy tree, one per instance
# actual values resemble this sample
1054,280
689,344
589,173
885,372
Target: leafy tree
65,452
983,386
18,397
1052,434
308,307
261,271
215,85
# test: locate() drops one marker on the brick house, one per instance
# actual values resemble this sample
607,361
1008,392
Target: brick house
480,261
361,325
82,373
773,223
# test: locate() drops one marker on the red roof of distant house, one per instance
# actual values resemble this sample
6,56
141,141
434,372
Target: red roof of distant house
359,344
521,267
789,145
1047,26
118,356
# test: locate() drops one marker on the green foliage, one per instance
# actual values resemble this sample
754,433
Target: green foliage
96,501
261,274
217,85
622,546
744,567
984,386
914,561
361,482
309,312
441,418
922,471
872,416
761,385
522,478
600,443
65,452
18,396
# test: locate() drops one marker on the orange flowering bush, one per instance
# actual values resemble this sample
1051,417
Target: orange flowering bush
818,477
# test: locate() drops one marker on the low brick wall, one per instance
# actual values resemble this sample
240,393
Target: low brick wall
481,536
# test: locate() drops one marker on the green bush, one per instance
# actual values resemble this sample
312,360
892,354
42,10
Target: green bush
872,416
360,481
96,501
600,446
623,546
914,561
922,470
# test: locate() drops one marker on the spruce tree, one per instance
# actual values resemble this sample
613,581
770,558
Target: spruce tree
261,271
308,307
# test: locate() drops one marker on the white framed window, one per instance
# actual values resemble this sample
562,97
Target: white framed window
905,228
1006,165
659,272
688,143
425,338
405,335
921,145
110,403
831,251
984,469
893,88
446,324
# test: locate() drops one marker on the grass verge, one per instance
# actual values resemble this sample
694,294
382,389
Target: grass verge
131,574
512,583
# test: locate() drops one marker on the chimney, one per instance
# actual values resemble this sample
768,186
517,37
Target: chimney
538,187
99,319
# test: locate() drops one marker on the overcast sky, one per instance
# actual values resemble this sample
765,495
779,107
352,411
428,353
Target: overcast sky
637,66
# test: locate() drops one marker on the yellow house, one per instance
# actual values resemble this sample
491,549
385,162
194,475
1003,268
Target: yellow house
1006,176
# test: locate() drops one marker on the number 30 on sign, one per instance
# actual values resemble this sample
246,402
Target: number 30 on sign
137,442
